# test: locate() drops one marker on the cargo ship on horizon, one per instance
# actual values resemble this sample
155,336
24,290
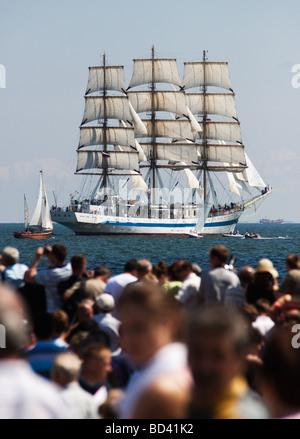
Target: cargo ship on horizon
268,221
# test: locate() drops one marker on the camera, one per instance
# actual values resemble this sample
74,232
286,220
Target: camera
229,266
46,251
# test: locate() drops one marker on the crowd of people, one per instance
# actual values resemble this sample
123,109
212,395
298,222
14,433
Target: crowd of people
156,341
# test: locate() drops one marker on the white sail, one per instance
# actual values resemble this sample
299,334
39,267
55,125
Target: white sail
176,152
141,152
26,213
252,176
139,127
222,104
228,131
196,128
41,216
216,74
114,79
114,136
117,107
192,180
163,71
174,129
233,185
46,221
232,154
170,101
138,182
36,219
113,159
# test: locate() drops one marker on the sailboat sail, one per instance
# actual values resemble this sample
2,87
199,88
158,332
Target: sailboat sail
26,213
157,146
46,221
41,216
37,217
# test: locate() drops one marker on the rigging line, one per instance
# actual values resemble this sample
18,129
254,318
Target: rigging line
71,161
254,160
220,182
160,179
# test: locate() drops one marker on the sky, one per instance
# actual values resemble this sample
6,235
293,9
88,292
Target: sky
46,47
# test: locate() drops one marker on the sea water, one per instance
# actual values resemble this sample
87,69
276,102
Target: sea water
278,241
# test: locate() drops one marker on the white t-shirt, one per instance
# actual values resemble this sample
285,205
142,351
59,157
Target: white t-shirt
25,395
49,278
116,284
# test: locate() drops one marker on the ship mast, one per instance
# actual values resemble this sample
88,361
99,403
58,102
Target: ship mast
204,158
104,158
154,155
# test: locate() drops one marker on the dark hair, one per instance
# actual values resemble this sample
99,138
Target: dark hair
293,262
160,269
102,270
173,270
185,265
60,252
93,349
60,322
220,252
78,261
130,265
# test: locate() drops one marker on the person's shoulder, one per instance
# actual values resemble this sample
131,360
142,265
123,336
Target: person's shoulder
164,398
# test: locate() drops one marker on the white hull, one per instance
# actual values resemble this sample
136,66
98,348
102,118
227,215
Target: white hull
95,224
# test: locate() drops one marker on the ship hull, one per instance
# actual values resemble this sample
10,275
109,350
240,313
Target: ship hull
266,221
33,235
91,224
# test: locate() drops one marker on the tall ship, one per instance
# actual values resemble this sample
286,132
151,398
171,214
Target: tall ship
163,155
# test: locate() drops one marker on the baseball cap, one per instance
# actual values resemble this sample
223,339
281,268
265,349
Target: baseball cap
106,302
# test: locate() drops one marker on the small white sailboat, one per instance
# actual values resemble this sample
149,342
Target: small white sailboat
40,225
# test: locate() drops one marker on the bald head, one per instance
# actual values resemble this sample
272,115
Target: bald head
246,275
143,267
65,368
10,256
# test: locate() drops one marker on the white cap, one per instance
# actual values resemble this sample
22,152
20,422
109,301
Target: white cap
106,302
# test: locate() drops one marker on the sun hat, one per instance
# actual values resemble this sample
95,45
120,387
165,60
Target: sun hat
106,302
266,265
